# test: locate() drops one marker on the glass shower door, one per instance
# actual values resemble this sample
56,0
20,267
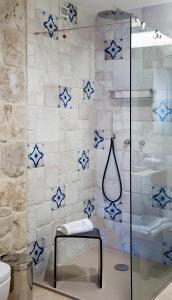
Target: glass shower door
151,164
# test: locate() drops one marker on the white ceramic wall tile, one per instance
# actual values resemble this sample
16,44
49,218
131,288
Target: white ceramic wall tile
43,214
50,96
47,129
53,63
35,191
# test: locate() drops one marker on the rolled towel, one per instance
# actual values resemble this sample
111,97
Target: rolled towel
80,226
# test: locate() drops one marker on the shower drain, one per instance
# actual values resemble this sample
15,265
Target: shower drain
121,267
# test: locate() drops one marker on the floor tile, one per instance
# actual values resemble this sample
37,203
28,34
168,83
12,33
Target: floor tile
166,294
43,294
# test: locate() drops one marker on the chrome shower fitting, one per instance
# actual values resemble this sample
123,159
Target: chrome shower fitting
115,14
142,143
143,25
127,142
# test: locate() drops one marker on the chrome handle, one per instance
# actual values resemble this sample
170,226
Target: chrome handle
127,142
142,143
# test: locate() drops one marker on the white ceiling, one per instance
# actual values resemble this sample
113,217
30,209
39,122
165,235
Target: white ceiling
95,6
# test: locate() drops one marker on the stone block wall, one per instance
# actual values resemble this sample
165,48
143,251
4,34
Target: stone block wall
13,138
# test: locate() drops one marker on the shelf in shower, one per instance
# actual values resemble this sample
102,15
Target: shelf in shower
144,95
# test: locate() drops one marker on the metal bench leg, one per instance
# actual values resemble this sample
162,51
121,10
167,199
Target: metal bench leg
101,263
55,261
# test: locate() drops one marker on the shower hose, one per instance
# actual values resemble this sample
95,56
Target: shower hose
112,150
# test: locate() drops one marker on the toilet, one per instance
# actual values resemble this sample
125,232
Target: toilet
5,278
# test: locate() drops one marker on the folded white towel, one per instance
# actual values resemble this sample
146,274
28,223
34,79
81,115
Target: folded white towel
75,227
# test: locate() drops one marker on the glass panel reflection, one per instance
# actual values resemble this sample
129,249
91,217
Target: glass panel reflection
151,132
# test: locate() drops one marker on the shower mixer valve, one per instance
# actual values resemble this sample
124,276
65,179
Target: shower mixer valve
127,142
142,143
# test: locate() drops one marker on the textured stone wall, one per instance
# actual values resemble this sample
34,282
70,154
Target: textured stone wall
13,217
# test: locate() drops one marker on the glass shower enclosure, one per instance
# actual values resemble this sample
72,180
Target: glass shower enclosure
93,78
151,160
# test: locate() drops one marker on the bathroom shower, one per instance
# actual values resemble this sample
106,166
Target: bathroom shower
120,266
115,14
85,75
112,151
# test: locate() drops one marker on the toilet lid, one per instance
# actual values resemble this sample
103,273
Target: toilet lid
5,271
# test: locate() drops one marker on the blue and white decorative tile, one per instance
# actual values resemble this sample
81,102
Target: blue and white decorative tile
36,251
168,256
89,208
35,156
99,139
161,198
72,13
113,210
114,49
88,89
64,97
58,197
50,25
167,247
162,112
83,160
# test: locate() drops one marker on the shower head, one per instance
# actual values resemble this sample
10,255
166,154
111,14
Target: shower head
116,15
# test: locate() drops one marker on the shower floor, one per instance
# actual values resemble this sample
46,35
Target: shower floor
78,278
147,287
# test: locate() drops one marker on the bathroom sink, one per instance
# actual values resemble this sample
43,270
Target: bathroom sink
137,169
144,171
147,226
152,163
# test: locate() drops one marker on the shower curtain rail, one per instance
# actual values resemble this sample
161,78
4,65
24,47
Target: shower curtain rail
82,27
